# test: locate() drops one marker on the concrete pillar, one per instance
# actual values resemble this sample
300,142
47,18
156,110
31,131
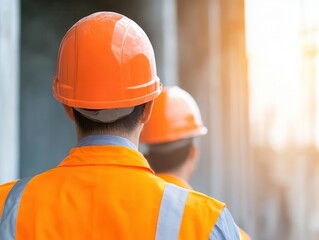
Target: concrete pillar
170,53
9,89
213,69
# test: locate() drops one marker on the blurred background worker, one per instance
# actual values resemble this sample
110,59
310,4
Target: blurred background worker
172,137
106,80
172,134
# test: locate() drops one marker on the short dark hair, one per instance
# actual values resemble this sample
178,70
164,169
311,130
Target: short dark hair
125,124
165,161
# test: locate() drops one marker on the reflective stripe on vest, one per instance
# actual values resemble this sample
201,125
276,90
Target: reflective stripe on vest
10,210
169,219
171,212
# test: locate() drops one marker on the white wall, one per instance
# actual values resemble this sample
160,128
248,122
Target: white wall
9,89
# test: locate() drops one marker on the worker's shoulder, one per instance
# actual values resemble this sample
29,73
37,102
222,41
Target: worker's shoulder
6,187
203,210
4,190
205,203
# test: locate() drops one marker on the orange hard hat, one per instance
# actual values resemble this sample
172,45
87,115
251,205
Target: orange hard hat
175,116
105,61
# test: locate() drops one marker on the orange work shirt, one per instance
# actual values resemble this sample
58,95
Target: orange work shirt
104,192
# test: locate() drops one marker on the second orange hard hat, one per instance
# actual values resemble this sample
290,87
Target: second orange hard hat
105,61
175,116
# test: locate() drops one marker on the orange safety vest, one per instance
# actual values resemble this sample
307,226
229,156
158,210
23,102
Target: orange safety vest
103,192
170,178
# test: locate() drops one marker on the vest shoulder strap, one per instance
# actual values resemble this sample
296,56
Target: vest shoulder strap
171,212
10,210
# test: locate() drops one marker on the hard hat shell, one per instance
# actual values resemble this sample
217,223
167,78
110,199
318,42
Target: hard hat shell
105,61
175,116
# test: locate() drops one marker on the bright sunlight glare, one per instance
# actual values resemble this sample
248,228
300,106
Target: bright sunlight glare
282,46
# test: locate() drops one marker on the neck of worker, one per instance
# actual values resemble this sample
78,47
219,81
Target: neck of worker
184,172
133,136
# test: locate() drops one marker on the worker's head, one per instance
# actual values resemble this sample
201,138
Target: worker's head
106,75
172,132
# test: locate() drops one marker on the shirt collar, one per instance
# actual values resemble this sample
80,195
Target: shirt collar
105,140
107,150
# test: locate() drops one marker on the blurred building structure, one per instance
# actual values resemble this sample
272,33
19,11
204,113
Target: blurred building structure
213,68
283,40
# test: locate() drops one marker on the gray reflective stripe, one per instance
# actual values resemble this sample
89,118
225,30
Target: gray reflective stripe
10,210
171,212
225,228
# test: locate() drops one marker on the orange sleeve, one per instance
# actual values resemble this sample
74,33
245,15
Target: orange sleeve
243,235
4,191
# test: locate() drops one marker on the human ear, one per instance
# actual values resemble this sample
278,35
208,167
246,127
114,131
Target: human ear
147,112
69,112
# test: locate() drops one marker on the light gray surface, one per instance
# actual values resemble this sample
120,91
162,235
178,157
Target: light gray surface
9,89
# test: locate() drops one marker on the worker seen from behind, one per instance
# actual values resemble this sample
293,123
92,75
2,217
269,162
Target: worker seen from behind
172,138
106,81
